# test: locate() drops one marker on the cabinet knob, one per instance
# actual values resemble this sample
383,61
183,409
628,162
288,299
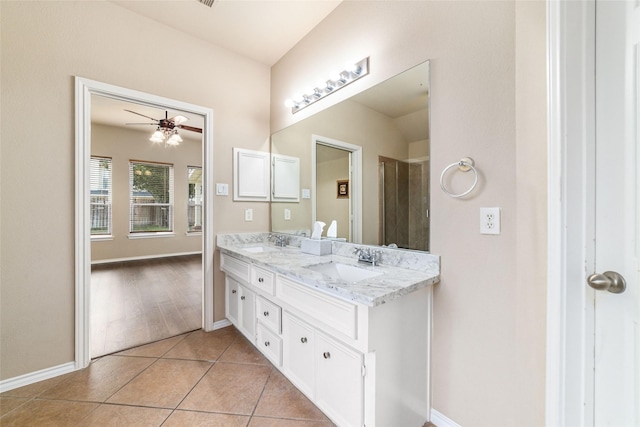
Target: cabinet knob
242,297
260,279
233,291
303,340
266,314
267,343
326,355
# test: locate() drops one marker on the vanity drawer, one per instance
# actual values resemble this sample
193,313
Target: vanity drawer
234,266
333,312
263,279
270,345
269,314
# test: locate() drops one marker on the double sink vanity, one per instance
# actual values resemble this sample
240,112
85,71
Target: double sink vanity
353,337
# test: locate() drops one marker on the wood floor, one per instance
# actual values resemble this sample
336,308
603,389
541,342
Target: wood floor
139,302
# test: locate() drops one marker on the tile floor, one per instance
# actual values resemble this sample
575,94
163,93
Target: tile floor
197,379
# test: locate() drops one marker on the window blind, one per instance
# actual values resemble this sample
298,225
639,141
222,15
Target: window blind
100,173
194,201
151,197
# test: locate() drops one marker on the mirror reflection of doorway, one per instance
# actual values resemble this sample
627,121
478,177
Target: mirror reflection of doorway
332,189
146,227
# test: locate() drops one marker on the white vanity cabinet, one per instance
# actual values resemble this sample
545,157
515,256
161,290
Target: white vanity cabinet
361,365
330,373
240,307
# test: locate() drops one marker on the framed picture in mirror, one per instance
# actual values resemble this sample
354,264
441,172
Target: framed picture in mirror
343,189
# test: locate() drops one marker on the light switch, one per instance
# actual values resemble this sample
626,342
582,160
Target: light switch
306,193
222,189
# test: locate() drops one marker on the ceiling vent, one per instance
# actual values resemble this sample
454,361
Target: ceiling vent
207,2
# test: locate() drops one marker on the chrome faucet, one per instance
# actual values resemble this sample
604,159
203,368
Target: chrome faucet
280,241
368,255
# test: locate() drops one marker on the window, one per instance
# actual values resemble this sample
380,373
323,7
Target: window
100,202
194,201
151,195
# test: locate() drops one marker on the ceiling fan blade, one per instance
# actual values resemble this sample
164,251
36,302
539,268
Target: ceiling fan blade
141,115
152,124
191,128
178,119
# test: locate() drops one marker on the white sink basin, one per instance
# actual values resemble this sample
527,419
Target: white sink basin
345,272
258,249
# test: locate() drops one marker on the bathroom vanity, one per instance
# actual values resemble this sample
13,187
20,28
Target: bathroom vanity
354,338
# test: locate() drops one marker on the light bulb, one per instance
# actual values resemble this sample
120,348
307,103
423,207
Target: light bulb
289,103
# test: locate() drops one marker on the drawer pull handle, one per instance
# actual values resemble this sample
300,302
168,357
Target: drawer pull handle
326,355
303,340
260,279
242,297
266,314
267,343
233,291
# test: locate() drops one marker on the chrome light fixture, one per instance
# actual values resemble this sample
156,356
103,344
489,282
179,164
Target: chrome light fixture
352,72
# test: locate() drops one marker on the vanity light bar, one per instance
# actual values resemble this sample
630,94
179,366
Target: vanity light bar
350,74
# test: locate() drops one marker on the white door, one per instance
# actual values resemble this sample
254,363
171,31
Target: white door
616,317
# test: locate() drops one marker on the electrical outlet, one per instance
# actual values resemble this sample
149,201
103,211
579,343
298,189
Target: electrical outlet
489,220
248,214
287,214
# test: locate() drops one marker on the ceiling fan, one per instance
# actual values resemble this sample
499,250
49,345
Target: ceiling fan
167,128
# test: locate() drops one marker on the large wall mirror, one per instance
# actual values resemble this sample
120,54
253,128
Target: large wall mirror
388,202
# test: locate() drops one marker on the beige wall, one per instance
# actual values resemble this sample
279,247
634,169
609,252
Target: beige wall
487,102
44,45
122,145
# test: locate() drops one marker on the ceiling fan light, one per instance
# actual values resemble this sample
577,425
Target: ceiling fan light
174,139
157,137
180,119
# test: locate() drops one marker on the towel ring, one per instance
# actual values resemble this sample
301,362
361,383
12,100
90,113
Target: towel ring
465,165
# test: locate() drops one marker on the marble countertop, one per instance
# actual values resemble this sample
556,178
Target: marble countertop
402,273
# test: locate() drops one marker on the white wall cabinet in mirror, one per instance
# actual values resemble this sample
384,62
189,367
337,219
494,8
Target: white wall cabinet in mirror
286,178
251,171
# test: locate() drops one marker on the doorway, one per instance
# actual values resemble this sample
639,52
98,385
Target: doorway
85,89
146,225
336,180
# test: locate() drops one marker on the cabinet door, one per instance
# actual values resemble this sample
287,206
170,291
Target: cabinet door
297,355
247,312
339,381
231,301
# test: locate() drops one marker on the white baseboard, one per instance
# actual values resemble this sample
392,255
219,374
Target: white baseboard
143,257
439,420
34,377
221,324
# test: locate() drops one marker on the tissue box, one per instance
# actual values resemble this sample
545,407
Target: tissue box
316,247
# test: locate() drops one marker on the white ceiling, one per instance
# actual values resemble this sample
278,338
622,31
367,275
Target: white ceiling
263,30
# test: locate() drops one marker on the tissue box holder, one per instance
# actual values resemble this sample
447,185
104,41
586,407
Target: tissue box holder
316,247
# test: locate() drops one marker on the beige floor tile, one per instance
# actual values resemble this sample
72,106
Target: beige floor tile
200,345
282,399
242,351
120,415
204,419
99,380
163,385
279,422
45,413
230,388
8,404
155,349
